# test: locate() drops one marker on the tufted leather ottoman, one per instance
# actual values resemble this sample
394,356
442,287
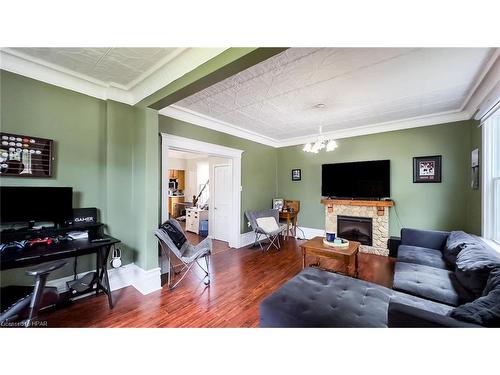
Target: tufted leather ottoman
316,298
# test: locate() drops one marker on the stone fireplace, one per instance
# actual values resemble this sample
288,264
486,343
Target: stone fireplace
359,214
355,228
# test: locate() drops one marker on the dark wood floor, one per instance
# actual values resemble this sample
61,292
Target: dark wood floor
242,278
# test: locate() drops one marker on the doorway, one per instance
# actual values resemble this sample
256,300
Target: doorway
229,181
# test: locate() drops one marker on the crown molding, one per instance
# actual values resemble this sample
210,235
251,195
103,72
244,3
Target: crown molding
185,59
187,115
483,93
195,118
382,127
487,92
484,77
172,67
48,73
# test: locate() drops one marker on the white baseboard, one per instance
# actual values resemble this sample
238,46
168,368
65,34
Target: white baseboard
309,233
147,281
246,239
127,275
249,237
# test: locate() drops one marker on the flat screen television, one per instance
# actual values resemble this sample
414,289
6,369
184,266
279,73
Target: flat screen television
24,204
361,180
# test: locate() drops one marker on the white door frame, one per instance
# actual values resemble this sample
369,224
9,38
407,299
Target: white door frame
186,144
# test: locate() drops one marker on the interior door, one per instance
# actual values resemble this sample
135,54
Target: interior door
222,202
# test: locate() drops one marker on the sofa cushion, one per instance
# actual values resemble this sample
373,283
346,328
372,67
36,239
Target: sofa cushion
456,242
473,266
421,255
485,310
430,283
316,298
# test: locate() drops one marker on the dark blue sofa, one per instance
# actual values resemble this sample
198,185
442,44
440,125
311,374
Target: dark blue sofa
442,279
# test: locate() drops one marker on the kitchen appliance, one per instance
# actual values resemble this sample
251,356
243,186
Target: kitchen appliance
173,184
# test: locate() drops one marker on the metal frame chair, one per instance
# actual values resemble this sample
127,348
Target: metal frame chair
188,255
272,237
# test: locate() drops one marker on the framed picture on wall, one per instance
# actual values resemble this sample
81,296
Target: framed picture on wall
25,156
278,204
427,169
296,174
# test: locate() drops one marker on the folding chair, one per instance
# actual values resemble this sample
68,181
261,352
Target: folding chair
271,235
188,255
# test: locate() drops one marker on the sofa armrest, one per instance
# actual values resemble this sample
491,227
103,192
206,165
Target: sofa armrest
403,316
431,239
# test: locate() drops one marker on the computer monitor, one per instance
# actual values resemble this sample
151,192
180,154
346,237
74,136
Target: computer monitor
24,204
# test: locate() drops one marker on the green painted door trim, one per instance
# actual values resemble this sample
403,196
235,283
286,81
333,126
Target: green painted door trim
222,66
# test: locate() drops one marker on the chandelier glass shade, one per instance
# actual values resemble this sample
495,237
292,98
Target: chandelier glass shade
320,144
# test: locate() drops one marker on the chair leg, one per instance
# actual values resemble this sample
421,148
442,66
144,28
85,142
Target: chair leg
36,298
272,242
260,243
207,261
182,277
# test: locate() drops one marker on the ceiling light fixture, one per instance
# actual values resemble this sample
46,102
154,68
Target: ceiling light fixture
320,105
321,143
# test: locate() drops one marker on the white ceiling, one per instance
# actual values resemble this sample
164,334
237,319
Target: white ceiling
120,67
276,98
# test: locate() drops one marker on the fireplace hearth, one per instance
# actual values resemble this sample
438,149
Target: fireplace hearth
355,228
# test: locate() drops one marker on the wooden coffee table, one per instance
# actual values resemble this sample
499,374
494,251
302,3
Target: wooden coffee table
315,247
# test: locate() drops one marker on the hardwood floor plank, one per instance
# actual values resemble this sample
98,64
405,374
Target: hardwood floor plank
242,278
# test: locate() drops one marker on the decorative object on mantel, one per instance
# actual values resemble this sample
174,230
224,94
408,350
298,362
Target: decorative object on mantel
296,174
25,156
475,169
321,143
278,204
427,169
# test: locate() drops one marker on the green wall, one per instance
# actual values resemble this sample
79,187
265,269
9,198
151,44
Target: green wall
109,153
106,151
258,163
474,198
76,122
441,206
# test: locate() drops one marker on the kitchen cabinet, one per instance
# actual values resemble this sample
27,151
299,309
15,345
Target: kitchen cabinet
172,202
181,179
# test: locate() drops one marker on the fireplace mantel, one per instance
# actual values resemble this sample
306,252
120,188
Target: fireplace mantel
352,202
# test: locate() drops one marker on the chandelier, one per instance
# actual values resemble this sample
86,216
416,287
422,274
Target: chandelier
321,143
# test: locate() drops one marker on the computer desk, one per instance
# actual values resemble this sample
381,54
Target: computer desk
13,258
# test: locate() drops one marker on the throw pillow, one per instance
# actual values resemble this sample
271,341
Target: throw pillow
473,267
456,242
268,224
175,234
493,281
485,310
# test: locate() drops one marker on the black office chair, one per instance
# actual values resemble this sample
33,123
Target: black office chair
22,304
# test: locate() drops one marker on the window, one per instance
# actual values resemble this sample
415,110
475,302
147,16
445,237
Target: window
491,177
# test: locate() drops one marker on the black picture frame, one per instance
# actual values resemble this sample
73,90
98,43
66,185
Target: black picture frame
427,169
296,174
25,156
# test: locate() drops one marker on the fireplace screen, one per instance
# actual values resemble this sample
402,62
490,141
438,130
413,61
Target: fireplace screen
355,228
